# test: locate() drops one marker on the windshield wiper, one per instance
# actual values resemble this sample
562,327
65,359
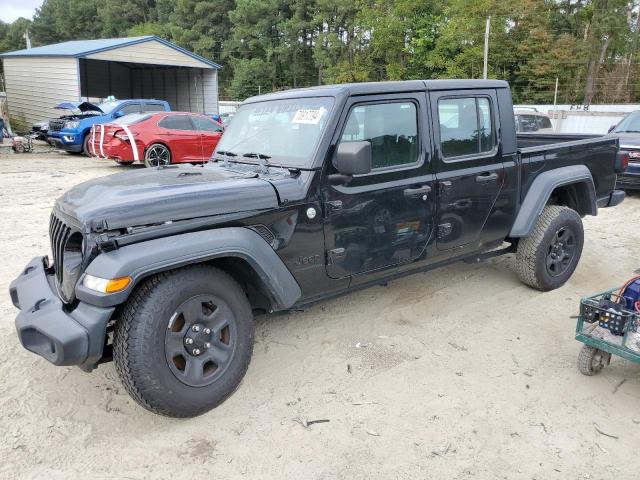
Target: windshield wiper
261,156
225,156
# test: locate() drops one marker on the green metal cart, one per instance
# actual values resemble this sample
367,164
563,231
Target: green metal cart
606,328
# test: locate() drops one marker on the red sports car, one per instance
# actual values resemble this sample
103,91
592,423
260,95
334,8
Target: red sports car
156,138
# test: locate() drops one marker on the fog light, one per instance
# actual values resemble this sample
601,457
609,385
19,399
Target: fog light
68,138
104,285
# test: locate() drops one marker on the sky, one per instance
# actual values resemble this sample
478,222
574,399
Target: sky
12,9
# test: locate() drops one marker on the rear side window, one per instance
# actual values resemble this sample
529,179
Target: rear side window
152,107
544,122
466,126
528,123
131,108
392,129
133,119
205,125
176,122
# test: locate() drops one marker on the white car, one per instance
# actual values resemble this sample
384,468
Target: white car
532,121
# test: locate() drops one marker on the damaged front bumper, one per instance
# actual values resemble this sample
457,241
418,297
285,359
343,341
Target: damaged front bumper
46,327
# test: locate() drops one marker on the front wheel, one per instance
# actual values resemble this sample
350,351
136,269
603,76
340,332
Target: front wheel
547,258
157,155
591,360
184,341
85,145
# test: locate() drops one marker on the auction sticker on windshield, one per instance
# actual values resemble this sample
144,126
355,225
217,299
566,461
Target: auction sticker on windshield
308,116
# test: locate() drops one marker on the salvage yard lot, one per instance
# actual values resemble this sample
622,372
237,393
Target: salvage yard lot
462,372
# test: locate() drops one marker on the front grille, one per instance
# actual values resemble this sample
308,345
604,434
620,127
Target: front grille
56,124
59,233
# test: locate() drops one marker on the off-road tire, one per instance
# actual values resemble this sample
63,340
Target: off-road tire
532,251
139,341
591,360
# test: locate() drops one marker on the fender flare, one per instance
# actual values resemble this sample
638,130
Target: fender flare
143,259
541,189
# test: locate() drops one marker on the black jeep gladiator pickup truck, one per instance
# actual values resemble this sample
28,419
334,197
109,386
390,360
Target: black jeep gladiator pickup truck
311,193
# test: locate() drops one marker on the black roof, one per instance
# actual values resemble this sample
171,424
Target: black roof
380,87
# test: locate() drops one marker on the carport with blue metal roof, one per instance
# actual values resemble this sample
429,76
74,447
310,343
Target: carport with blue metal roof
39,78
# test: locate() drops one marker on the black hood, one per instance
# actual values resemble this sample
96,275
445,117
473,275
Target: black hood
159,195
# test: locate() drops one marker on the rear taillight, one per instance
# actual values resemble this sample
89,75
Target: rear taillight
122,135
622,161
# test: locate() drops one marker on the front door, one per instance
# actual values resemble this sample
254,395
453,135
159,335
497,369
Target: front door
210,133
469,168
182,137
382,219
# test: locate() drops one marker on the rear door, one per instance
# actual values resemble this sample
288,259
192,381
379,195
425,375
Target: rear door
469,168
382,219
152,107
182,138
126,110
210,133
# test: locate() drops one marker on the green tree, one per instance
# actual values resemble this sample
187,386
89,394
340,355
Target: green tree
62,20
202,26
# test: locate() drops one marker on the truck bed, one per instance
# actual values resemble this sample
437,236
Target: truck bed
528,140
541,152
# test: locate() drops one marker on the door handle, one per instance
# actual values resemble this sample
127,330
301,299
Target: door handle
417,192
461,204
487,177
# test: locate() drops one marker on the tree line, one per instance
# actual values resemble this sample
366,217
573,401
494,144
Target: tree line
589,46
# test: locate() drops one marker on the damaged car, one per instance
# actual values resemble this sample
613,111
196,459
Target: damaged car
71,132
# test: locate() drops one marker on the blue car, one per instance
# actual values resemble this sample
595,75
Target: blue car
71,132
628,131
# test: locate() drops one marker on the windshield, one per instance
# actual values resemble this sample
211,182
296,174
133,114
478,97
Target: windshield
285,132
107,107
630,123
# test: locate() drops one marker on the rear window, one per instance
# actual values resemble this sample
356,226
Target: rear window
132,119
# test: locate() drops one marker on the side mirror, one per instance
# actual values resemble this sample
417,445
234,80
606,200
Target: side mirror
611,128
118,114
353,158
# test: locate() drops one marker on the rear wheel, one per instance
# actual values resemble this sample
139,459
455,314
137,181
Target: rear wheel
547,258
157,155
184,341
591,360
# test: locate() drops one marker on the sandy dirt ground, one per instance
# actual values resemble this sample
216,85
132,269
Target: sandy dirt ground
459,373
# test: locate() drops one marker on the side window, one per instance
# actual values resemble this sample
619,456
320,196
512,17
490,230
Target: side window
544,122
176,122
528,123
152,107
131,108
392,129
206,125
466,126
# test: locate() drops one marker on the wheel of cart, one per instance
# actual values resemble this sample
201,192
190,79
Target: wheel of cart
606,327
592,360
